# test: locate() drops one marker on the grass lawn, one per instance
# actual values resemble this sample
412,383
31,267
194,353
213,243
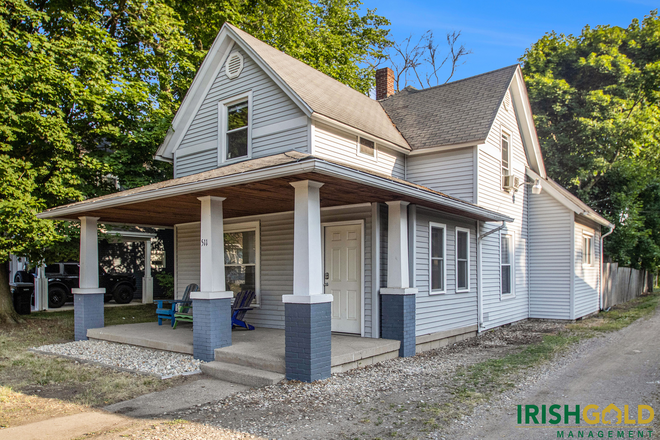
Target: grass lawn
37,386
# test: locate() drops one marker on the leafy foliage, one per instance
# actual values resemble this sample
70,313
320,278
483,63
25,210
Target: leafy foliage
595,98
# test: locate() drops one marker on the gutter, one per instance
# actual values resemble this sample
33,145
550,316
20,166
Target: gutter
480,299
602,290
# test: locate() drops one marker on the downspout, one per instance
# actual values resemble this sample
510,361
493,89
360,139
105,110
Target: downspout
480,305
602,291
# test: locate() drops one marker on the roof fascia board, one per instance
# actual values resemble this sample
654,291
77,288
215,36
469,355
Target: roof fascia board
270,72
446,147
311,165
341,126
526,123
194,97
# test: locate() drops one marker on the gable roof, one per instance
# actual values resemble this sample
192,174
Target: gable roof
462,111
314,92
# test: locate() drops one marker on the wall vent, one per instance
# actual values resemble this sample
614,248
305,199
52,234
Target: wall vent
507,101
234,65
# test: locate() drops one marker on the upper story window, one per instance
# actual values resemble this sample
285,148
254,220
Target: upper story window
437,257
235,136
587,249
462,260
506,154
366,147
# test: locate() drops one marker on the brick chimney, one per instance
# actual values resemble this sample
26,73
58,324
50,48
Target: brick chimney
384,83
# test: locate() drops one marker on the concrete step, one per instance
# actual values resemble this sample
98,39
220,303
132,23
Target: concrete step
241,374
262,360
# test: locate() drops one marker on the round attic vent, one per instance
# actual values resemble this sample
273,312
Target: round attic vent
234,65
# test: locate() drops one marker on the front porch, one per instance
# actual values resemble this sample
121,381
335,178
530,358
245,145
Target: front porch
263,348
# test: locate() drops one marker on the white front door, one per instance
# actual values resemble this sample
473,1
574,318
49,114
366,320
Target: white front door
343,276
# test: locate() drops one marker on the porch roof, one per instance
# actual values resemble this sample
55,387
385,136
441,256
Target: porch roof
260,186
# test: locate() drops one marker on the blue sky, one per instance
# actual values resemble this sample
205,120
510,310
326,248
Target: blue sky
499,32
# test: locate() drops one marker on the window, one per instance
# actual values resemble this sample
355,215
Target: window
71,269
235,136
506,264
53,268
506,155
366,147
462,260
437,257
242,257
587,249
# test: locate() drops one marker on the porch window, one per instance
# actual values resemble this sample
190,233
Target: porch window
235,116
242,257
462,260
437,251
587,249
506,264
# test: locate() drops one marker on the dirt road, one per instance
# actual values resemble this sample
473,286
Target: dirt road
623,368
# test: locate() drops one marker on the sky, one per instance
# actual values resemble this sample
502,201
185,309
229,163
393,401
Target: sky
499,32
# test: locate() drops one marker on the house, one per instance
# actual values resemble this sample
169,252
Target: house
416,217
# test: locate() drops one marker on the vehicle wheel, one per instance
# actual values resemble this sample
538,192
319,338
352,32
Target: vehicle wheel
123,294
23,276
56,297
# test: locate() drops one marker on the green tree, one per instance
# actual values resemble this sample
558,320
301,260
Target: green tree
595,100
88,89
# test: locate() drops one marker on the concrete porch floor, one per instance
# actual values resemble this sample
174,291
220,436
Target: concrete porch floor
262,348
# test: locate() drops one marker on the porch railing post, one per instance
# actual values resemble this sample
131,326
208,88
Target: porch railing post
88,297
212,304
307,311
398,298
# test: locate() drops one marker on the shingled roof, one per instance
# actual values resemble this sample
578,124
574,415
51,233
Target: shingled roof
325,95
454,113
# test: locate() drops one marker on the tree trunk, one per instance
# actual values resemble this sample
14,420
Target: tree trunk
7,312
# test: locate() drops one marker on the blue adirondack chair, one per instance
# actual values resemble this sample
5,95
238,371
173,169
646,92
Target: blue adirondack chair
240,307
166,308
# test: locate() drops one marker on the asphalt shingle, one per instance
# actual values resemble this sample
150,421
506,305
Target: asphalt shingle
454,113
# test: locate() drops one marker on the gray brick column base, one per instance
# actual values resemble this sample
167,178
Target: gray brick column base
88,313
397,321
211,327
308,341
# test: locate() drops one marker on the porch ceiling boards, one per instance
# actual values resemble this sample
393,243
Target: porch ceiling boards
259,186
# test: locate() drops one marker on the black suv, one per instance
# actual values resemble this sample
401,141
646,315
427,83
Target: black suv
62,277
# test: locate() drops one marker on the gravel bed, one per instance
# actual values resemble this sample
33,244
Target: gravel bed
164,364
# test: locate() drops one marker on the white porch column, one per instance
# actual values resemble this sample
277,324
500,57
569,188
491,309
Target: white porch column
398,298
147,281
212,304
307,313
88,298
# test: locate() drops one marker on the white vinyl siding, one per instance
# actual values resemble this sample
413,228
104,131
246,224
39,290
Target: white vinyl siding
276,261
450,310
586,283
450,172
550,225
270,106
499,310
338,146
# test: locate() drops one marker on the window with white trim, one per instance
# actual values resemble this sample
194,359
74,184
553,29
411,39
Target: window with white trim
506,154
437,263
242,257
506,264
365,147
235,131
462,260
587,249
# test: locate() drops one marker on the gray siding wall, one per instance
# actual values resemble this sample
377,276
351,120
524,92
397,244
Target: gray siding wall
449,310
339,146
497,310
586,284
276,261
550,262
450,172
270,106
